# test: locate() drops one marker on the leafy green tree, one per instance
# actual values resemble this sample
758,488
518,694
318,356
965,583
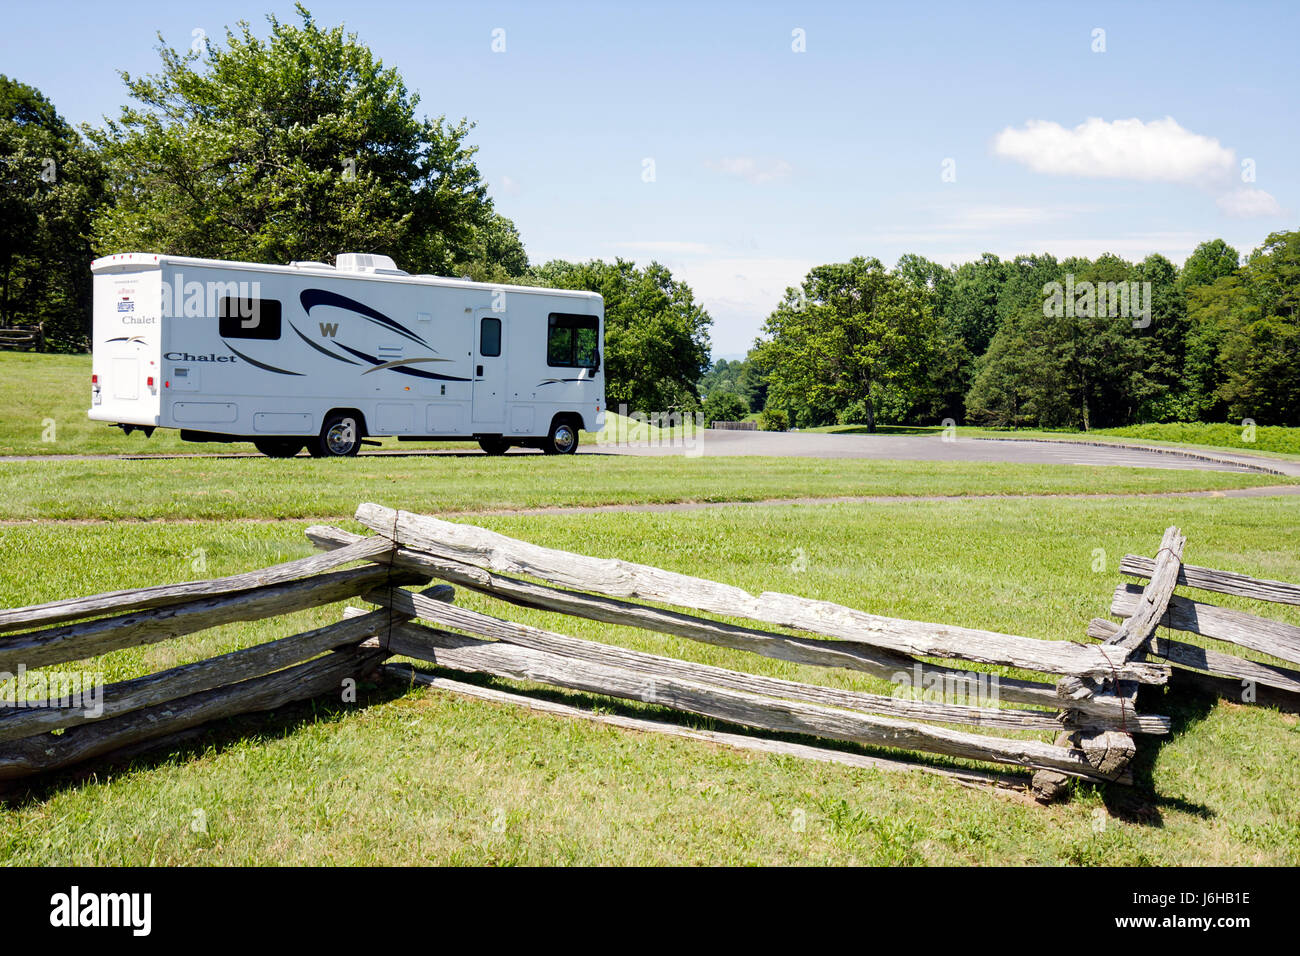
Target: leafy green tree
1166,337
773,420
739,377
1081,368
853,336
1259,352
973,312
724,407
656,334
1209,262
298,146
50,185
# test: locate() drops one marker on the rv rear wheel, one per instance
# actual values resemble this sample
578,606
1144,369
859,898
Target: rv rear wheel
494,446
563,438
279,447
340,437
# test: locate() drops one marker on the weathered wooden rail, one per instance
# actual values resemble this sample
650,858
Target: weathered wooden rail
1070,713
32,337
1223,671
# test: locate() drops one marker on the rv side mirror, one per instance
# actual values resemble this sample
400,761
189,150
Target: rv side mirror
596,366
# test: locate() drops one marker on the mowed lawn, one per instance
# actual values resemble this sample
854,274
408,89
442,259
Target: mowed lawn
303,487
424,777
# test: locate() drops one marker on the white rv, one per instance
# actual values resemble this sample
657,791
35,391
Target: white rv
319,356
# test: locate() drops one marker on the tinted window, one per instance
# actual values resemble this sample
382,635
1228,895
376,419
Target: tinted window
249,318
571,341
489,337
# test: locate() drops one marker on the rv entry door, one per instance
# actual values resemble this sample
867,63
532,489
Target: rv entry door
489,370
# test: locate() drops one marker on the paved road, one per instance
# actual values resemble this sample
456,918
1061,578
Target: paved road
934,448
822,445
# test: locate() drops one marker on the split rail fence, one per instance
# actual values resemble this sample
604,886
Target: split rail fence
1086,696
23,338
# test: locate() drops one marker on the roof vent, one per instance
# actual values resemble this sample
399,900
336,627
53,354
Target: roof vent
366,262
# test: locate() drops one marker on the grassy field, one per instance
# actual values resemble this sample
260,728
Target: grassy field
269,488
412,776
420,777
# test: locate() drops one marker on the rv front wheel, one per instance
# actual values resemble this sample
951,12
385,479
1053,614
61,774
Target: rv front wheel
340,437
279,447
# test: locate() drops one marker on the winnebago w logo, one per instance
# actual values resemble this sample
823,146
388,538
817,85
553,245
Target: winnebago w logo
329,329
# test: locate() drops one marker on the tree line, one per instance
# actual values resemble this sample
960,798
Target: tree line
1031,341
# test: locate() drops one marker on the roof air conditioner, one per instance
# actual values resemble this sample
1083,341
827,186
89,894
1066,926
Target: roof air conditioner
366,262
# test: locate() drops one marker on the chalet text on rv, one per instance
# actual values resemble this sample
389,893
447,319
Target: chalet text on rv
318,356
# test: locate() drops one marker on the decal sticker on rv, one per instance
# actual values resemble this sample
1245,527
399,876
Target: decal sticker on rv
310,298
255,362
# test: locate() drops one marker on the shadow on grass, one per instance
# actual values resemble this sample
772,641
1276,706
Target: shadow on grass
211,738
598,704
1140,803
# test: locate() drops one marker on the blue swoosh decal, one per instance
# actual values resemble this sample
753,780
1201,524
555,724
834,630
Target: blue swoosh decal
310,298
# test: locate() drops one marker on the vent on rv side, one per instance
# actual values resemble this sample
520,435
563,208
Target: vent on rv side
367,262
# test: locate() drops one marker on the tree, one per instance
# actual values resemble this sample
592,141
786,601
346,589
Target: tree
853,337
1166,336
1076,366
656,334
724,407
50,184
296,147
1259,351
1208,262
973,311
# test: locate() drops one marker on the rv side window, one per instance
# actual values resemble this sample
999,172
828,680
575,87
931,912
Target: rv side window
489,337
240,318
571,341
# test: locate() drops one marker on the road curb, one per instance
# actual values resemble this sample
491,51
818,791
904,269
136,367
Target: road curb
1253,464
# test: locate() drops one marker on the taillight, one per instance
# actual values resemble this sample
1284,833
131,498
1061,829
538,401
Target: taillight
94,380
149,381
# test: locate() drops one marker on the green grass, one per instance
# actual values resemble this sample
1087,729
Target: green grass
418,778
302,487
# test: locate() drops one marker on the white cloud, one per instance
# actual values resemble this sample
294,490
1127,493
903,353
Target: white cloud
1159,151
756,171
1247,203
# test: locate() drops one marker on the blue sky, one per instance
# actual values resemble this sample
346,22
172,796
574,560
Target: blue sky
767,161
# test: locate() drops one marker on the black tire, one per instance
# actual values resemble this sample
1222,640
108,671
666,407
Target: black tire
279,447
494,446
340,437
562,438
